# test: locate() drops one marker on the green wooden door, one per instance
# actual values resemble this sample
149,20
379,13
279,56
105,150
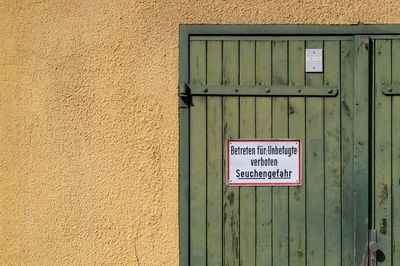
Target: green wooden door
351,150
385,148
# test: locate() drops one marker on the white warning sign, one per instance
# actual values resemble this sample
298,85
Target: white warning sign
264,162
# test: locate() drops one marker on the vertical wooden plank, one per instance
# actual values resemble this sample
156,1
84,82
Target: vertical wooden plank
198,185
280,130
383,182
332,156
361,148
396,155
214,157
247,130
230,66
346,127
263,130
297,215
183,183
315,170
184,147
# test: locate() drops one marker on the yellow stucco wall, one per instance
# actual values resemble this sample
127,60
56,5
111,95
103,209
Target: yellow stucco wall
89,121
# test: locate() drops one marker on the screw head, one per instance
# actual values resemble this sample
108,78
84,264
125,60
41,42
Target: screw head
389,89
267,90
299,90
330,91
373,246
205,89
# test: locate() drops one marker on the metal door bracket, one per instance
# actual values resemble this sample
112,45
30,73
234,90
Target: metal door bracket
373,247
183,90
390,89
273,90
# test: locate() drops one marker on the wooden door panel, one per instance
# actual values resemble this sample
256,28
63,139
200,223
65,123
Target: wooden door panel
308,225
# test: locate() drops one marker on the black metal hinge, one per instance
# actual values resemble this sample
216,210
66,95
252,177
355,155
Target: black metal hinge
248,90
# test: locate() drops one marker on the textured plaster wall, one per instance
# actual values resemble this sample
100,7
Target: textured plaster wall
89,121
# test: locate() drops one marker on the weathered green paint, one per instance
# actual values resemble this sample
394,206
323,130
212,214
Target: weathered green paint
230,71
263,130
346,115
183,184
382,151
198,159
332,163
183,154
247,130
297,206
361,147
272,226
314,143
395,156
214,158
280,130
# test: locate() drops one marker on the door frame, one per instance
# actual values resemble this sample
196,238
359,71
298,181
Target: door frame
362,112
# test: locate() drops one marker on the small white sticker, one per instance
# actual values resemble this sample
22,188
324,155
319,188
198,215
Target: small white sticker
314,60
264,162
